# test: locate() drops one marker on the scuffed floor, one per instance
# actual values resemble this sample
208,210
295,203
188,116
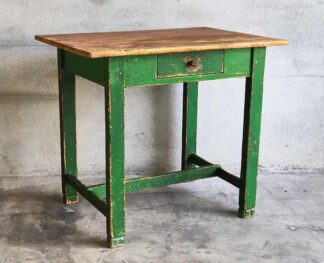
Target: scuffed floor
193,222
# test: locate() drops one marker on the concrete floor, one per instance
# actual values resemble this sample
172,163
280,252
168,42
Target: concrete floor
193,222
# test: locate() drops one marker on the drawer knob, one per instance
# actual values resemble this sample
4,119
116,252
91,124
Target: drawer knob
192,64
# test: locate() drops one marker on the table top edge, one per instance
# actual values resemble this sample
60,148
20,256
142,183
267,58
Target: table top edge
105,53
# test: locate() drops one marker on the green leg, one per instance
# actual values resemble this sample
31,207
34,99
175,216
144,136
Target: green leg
114,97
68,130
251,134
189,123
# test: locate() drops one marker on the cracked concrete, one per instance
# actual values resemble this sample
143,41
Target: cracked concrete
193,222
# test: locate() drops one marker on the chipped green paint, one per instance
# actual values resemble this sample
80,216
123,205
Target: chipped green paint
91,197
226,176
230,63
67,129
98,189
237,61
143,70
92,69
114,112
142,183
194,63
117,73
251,134
189,123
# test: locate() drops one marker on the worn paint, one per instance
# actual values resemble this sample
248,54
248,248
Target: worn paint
251,134
66,83
117,73
189,123
91,197
142,183
237,61
91,69
114,112
230,63
176,65
221,173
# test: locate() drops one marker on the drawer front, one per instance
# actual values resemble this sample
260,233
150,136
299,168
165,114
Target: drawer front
186,64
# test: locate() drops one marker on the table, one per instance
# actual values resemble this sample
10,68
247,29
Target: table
120,60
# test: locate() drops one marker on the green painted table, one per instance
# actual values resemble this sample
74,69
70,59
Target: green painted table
120,60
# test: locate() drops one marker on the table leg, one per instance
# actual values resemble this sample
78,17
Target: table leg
189,123
114,104
68,130
251,134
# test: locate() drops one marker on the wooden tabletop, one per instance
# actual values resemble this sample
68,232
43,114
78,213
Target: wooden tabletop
110,44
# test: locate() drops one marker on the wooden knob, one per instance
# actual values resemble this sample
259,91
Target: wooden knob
192,64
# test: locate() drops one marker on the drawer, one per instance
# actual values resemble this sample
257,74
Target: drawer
186,64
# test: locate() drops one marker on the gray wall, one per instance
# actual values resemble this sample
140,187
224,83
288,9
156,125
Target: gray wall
293,114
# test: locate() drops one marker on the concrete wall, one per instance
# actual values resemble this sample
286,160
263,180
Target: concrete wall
293,116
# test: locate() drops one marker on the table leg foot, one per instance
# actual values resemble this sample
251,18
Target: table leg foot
71,200
246,212
116,242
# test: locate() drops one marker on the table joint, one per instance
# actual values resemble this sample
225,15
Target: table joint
90,196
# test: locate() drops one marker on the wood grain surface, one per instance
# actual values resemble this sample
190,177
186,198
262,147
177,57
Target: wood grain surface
111,44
